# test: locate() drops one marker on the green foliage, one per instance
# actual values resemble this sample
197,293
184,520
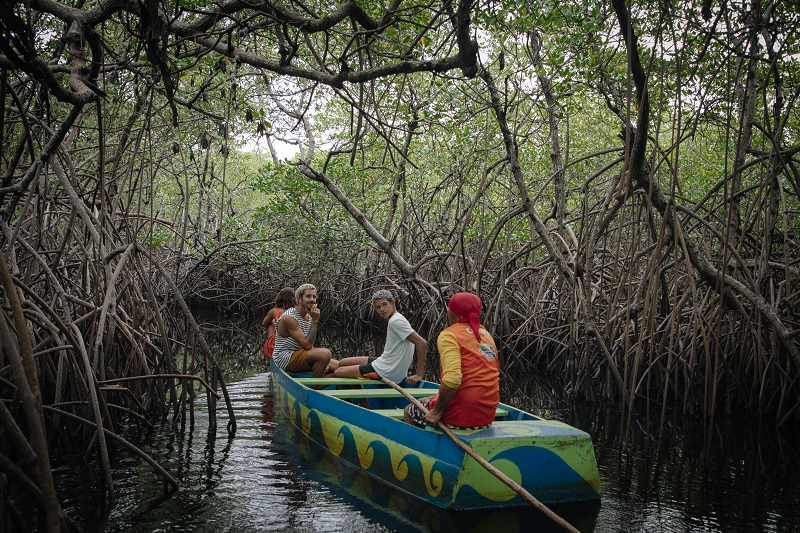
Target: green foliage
434,153
300,220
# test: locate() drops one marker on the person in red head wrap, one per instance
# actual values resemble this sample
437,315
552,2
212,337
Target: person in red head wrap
470,371
468,308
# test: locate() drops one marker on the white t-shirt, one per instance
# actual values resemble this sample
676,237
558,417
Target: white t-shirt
398,353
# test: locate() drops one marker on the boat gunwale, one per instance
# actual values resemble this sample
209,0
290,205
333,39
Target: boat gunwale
514,418
511,413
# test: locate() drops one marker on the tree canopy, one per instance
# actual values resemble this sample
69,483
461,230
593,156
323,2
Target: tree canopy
618,181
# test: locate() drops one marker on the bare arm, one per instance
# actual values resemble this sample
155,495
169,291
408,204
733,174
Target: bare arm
445,395
312,332
288,327
269,318
450,360
422,355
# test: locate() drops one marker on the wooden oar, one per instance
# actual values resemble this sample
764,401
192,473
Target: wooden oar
484,463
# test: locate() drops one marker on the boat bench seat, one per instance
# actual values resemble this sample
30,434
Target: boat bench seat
357,382
338,381
376,393
398,413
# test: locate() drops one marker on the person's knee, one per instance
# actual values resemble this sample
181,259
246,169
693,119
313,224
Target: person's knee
326,354
319,354
407,416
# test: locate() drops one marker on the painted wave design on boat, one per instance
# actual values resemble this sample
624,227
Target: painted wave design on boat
559,452
373,454
550,465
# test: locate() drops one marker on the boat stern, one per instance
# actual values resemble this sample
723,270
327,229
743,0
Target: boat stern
553,461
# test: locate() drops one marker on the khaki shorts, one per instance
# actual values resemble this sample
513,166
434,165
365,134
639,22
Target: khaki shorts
298,362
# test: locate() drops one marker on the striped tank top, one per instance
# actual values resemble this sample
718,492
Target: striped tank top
286,346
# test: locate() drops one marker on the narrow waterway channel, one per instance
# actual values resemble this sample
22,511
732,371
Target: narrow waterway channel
269,477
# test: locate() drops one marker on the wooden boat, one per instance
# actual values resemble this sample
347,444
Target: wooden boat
553,461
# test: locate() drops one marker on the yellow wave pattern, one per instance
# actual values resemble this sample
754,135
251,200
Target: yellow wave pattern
365,440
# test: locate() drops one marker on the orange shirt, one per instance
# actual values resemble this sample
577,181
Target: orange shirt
471,367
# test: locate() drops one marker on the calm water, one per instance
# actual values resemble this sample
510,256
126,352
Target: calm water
269,477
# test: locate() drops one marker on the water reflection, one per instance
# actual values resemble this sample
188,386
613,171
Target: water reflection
735,476
247,483
270,477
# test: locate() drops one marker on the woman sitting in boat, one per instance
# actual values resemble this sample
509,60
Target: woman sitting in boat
398,352
284,300
295,333
470,377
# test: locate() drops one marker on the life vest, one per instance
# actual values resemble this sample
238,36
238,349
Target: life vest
477,397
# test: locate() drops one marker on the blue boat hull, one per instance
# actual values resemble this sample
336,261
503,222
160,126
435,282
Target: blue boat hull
553,461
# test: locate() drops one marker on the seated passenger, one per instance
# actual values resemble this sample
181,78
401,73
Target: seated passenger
470,373
283,301
398,352
295,333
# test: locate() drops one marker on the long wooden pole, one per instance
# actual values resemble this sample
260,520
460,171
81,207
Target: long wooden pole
484,463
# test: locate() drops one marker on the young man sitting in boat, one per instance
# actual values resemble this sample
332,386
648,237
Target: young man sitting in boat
398,352
470,388
295,333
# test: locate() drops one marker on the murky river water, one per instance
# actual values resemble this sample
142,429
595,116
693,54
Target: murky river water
269,477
